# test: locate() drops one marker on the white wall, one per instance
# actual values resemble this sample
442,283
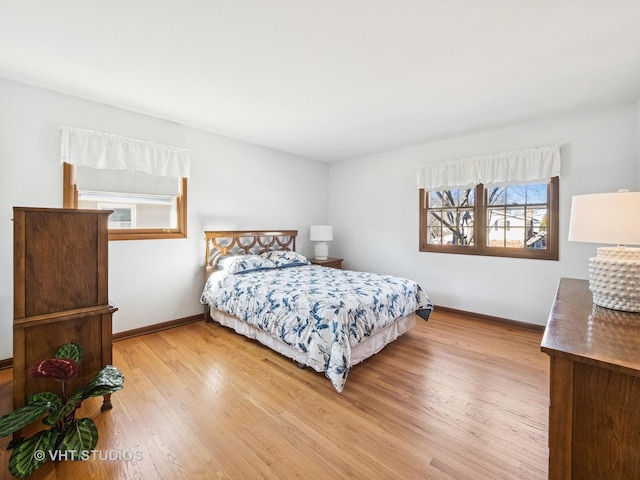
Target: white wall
374,211
233,185
638,142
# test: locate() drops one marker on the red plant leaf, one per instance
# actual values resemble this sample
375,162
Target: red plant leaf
60,369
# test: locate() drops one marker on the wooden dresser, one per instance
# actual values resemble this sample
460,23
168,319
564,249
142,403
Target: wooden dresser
594,414
60,293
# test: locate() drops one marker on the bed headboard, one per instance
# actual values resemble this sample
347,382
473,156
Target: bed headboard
244,242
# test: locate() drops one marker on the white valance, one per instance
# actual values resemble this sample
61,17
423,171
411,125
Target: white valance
531,164
90,148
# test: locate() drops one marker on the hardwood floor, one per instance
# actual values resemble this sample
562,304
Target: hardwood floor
454,398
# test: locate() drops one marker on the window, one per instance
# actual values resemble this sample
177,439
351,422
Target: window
144,183
516,220
450,217
135,215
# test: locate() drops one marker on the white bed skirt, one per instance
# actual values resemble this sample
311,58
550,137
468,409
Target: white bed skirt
368,347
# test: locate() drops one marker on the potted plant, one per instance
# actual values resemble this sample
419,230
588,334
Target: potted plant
66,436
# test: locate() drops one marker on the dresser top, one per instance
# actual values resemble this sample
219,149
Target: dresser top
597,335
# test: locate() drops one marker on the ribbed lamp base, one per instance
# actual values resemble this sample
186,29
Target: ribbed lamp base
614,278
321,251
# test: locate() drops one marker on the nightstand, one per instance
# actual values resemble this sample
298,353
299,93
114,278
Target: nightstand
329,262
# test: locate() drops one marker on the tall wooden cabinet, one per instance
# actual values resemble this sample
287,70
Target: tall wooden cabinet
60,293
594,413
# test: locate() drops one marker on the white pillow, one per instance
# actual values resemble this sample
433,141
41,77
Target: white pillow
244,263
286,258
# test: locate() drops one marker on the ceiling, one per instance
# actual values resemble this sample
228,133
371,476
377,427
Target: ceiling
331,79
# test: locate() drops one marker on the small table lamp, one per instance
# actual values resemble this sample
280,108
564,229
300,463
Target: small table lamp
321,234
611,218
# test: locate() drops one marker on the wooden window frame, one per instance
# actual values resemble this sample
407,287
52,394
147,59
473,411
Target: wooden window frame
70,200
480,214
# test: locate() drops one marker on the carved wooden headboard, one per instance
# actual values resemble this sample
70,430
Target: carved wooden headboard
245,242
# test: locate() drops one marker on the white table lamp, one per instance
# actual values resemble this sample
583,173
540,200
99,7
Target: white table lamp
321,234
610,218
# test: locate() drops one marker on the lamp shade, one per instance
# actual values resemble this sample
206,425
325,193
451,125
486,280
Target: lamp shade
321,233
610,218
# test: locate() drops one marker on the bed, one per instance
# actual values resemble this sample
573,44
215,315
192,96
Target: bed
323,318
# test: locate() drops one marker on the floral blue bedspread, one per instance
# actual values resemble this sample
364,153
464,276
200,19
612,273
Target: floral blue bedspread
320,311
